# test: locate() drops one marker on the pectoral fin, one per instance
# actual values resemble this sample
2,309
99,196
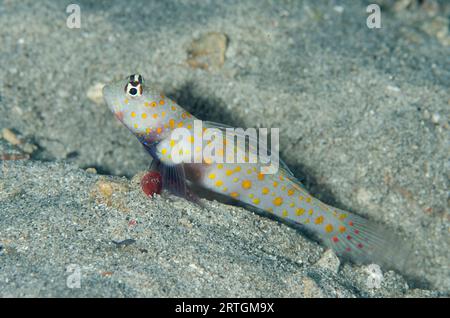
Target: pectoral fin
173,176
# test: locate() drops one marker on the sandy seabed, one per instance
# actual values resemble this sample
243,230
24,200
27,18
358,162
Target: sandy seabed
363,117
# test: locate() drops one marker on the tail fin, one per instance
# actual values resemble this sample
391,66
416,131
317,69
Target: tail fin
364,241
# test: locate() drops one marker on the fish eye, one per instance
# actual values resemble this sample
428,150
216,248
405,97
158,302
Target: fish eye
134,86
132,91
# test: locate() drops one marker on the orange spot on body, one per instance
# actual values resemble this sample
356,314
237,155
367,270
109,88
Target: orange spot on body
246,184
328,228
171,123
319,220
278,201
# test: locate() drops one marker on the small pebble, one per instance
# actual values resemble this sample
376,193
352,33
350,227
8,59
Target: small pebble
208,51
106,274
364,196
435,118
110,193
10,137
338,9
401,5
105,188
329,261
393,89
374,277
95,93
29,148
91,170
185,222
124,242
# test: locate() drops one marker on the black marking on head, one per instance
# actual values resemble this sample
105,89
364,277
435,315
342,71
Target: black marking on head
136,78
134,85
134,88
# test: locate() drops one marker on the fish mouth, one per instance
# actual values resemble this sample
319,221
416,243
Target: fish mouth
119,115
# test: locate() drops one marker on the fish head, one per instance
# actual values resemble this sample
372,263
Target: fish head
131,101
